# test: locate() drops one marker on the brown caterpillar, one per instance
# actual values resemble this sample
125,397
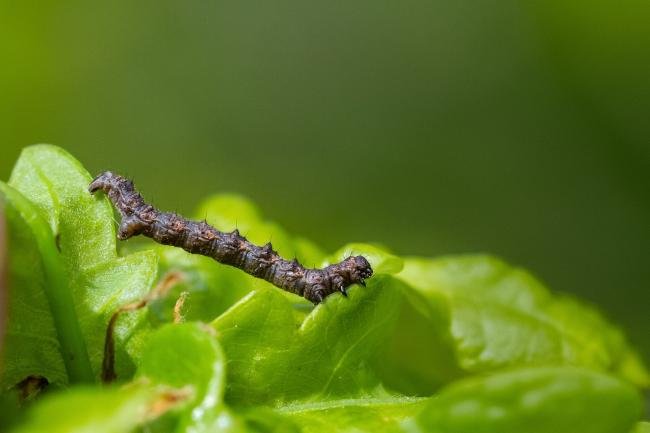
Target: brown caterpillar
138,217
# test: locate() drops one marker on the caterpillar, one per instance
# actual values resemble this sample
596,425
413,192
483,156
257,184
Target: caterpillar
198,237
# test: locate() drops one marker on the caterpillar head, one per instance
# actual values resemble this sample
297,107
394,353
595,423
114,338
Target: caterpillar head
356,270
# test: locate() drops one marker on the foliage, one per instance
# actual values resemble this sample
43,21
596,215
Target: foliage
449,345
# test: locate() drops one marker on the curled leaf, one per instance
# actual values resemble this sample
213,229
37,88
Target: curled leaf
277,354
503,316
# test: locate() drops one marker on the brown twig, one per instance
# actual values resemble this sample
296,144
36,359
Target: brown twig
178,307
162,288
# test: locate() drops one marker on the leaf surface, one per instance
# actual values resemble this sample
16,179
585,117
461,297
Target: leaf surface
533,400
188,356
367,415
279,353
502,316
101,410
89,280
464,344
179,380
31,340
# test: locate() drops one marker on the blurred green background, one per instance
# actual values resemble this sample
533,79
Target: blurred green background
516,128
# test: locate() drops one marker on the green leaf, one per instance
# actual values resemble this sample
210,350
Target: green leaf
588,326
212,287
188,355
263,419
180,375
100,410
287,366
277,354
42,337
502,316
89,281
57,184
534,400
11,415
417,356
353,415
102,290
